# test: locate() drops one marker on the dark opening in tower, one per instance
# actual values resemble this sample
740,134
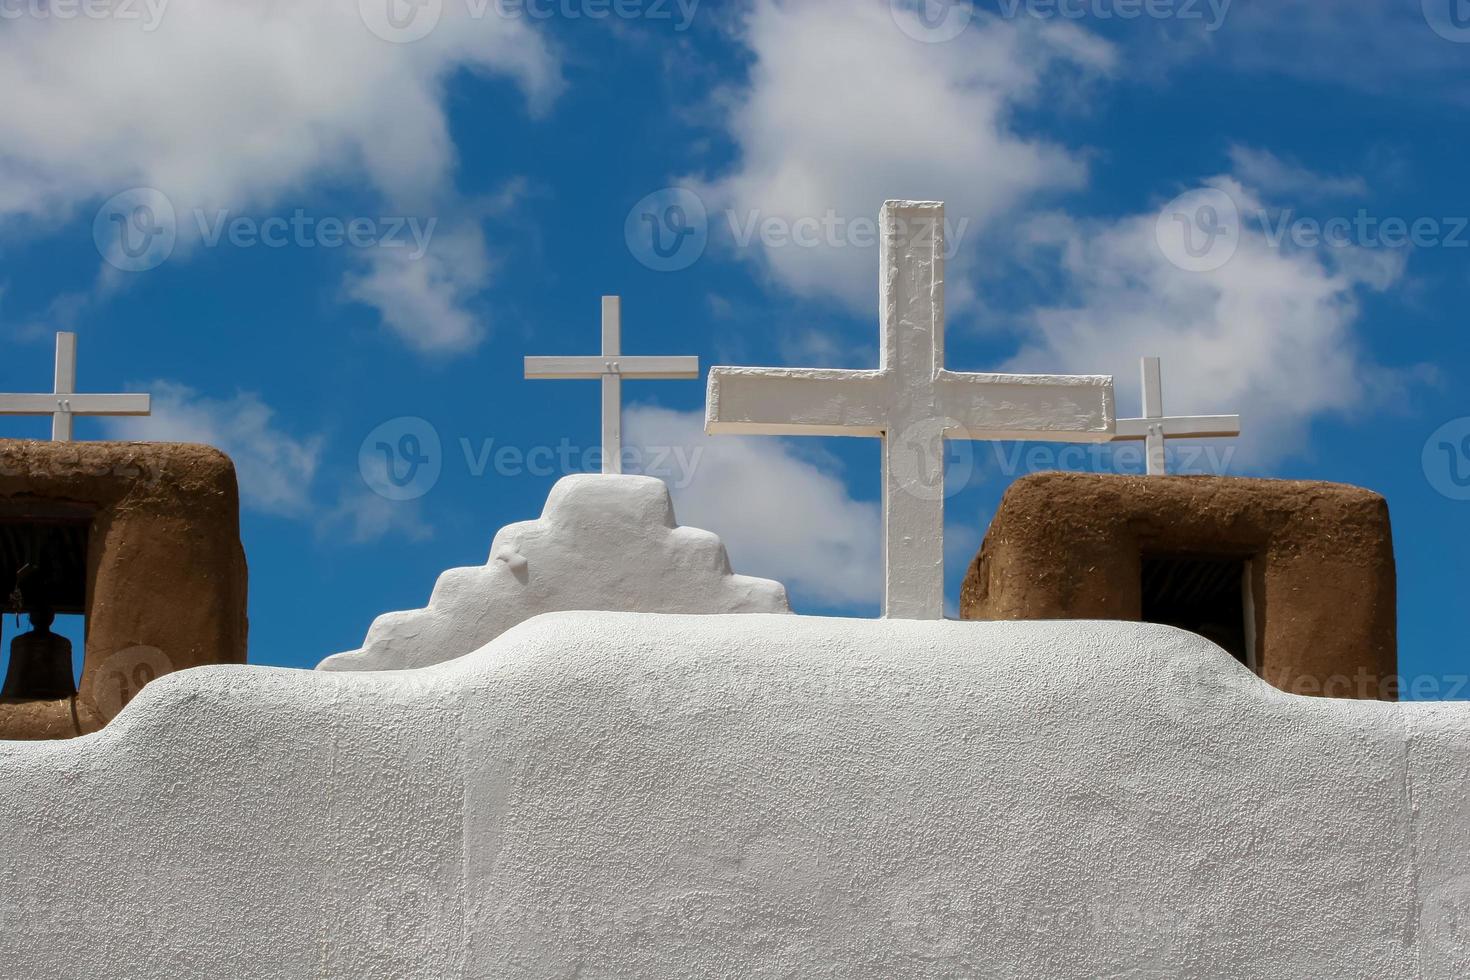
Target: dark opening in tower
1207,595
43,583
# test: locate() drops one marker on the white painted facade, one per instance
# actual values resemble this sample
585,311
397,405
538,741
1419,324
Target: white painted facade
603,542
622,795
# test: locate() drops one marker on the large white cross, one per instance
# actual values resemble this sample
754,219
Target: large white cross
612,367
64,403
1155,427
912,404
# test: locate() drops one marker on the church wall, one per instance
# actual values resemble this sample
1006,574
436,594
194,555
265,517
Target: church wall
600,795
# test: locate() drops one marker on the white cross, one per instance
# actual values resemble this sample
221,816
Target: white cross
912,404
612,367
64,402
1155,427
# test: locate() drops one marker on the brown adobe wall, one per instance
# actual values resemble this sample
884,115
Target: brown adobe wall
1070,546
166,573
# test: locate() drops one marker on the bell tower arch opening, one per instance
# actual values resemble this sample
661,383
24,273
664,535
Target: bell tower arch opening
43,596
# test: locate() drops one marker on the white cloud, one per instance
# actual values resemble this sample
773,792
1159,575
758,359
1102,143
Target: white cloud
845,110
368,517
1269,335
247,106
423,299
1270,175
275,469
780,515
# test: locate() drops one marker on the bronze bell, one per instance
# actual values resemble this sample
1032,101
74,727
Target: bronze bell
40,663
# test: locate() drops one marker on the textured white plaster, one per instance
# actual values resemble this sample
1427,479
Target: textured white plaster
602,543
618,795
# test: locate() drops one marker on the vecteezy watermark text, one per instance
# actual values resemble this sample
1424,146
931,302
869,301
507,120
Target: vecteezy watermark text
938,21
1211,13
1201,230
403,459
680,11
138,229
148,12
406,21
1450,19
303,230
830,230
674,463
669,230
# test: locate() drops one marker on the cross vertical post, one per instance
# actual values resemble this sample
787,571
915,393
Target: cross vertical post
611,367
66,384
612,385
1153,410
63,403
912,403
911,304
1156,428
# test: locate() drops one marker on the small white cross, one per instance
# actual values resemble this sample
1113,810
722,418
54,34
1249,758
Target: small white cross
612,367
64,403
1154,428
911,403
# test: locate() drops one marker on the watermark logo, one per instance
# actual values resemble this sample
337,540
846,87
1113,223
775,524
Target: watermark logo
1182,459
136,230
126,673
836,231
935,916
1362,230
1446,917
1446,459
401,459
675,465
668,230
921,456
401,21
1201,691
683,10
404,458
1211,12
1199,231
932,21
149,12
1450,19
303,230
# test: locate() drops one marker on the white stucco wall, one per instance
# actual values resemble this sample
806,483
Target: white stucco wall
615,795
603,542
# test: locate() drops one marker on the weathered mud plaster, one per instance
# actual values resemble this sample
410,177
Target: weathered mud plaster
1070,546
603,542
166,578
616,795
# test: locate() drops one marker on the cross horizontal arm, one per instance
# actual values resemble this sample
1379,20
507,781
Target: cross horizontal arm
795,401
1034,407
654,368
86,404
1181,427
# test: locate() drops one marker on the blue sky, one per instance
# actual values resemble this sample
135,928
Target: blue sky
487,158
